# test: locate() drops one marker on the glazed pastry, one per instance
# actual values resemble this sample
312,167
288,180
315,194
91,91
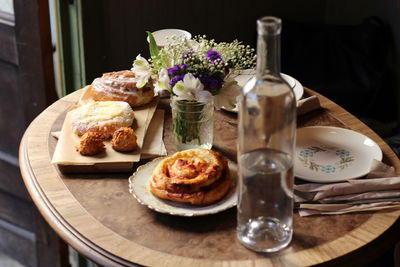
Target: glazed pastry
124,140
104,117
196,176
91,143
121,86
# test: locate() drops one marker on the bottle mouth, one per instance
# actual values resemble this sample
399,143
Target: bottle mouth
269,25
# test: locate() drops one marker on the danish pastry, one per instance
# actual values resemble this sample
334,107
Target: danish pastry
104,117
121,86
196,176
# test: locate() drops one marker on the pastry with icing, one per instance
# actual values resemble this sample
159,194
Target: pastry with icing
121,86
104,117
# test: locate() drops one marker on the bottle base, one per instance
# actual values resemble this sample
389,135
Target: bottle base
265,234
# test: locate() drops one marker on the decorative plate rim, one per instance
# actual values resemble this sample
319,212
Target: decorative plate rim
227,197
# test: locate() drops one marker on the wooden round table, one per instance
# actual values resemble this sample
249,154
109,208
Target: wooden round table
95,213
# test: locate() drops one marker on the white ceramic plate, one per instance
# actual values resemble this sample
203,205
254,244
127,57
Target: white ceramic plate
248,76
330,154
139,187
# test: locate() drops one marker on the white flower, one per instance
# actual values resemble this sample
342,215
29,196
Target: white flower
193,45
142,70
227,95
182,92
191,89
203,96
162,82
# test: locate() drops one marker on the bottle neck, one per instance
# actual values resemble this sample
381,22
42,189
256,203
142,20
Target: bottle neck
268,47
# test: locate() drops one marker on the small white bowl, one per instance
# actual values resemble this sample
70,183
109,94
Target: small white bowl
161,36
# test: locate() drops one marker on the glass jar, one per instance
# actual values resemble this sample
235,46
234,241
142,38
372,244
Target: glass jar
192,123
266,139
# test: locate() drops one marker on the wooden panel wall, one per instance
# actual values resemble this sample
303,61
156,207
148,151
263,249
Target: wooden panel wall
26,88
114,31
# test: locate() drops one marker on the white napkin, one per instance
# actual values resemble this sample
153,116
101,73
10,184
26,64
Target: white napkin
358,189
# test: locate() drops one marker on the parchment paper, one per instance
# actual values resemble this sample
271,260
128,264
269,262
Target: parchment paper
66,154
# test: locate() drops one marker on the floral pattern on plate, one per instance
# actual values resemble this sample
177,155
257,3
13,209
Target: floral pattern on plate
343,160
325,154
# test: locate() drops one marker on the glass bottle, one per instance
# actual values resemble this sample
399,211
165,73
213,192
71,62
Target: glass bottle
266,139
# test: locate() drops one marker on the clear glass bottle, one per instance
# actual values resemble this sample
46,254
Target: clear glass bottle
266,139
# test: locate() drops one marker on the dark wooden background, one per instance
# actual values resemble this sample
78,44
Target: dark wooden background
114,31
26,88
319,41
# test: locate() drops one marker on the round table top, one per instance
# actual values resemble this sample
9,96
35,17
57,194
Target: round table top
96,214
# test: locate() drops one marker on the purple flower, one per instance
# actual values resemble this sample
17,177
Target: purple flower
211,82
213,55
177,69
176,79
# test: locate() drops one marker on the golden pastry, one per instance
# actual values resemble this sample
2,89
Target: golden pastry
121,86
91,143
104,117
196,176
124,140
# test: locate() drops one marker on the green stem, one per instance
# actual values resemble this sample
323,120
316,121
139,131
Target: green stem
187,121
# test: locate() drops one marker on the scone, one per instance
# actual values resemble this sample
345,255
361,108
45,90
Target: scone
196,176
104,117
124,140
91,143
121,86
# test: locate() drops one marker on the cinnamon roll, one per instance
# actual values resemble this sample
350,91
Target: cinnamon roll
121,86
195,176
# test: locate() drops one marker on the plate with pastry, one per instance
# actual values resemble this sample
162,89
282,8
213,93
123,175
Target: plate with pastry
192,182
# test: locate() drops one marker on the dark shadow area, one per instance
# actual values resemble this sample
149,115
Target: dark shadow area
353,65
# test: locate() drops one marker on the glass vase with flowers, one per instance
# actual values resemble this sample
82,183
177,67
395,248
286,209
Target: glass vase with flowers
199,75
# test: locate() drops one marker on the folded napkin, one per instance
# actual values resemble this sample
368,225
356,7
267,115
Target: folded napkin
351,196
308,104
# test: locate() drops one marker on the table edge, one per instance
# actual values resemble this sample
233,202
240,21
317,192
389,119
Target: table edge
98,254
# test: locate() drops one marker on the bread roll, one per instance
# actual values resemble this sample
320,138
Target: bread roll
194,176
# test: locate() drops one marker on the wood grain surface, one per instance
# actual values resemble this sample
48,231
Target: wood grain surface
96,214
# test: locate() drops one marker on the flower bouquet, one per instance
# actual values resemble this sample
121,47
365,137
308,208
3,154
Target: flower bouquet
196,72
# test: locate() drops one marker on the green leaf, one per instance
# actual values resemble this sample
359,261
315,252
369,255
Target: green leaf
139,62
152,45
